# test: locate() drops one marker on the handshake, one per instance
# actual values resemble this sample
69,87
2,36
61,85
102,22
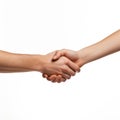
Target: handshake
61,65
58,66
65,63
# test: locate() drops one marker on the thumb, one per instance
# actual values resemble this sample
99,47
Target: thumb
57,55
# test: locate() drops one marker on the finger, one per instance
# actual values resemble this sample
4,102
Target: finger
56,79
53,78
73,66
59,78
66,76
57,55
50,78
44,75
67,70
63,79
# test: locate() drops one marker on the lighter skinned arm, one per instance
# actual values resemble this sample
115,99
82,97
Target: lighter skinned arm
108,45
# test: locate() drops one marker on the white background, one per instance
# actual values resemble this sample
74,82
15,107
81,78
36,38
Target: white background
41,26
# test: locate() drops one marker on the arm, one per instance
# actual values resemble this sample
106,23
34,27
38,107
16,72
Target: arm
109,45
11,62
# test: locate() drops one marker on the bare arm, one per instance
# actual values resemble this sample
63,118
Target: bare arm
11,62
108,45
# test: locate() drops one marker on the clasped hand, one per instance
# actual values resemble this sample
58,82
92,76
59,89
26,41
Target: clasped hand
64,64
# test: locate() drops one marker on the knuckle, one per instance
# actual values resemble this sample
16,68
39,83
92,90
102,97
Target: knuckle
69,77
73,73
63,67
77,68
65,61
57,52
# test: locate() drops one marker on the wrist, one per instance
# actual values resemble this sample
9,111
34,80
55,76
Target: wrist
82,57
37,63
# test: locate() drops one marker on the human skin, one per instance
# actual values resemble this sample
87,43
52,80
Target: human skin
11,62
108,45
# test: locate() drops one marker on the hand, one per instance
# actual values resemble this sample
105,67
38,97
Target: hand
63,67
72,55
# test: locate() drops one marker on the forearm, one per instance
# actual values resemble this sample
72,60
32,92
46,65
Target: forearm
11,70
10,62
107,46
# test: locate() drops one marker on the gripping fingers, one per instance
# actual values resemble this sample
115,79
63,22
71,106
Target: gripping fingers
66,76
45,75
68,71
73,66
59,79
56,78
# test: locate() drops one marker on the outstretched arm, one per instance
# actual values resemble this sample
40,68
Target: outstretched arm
108,45
11,62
